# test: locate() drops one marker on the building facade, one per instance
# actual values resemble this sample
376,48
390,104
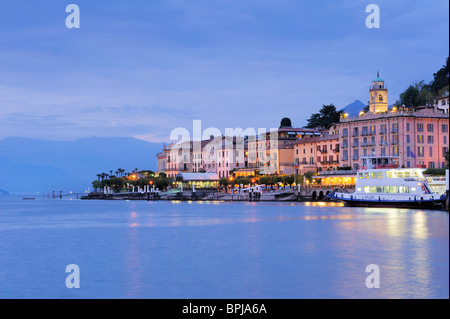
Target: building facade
418,137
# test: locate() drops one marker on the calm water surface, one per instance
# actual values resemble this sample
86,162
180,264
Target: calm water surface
138,249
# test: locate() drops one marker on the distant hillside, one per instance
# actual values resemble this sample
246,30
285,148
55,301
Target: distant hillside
354,108
3,192
39,165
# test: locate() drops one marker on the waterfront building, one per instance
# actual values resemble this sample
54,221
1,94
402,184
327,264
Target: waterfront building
197,180
161,161
442,102
219,155
231,156
418,137
178,158
319,153
273,151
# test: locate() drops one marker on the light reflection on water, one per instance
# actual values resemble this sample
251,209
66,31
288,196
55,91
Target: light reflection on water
137,249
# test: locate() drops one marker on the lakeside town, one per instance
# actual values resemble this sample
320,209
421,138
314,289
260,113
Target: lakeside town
291,163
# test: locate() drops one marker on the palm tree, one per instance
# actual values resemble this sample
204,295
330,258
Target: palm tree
98,177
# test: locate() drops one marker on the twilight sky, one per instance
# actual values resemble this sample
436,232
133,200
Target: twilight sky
141,68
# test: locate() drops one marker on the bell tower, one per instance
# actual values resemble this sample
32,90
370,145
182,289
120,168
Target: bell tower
378,96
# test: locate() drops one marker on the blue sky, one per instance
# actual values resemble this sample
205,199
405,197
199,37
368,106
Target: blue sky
142,68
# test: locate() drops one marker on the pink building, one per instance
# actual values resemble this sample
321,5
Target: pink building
320,153
417,137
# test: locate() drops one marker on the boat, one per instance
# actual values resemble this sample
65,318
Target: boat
28,198
380,182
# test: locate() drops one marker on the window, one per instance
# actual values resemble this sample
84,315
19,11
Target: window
345,132
345,143
407,127
345,155
419,127
420,151
445,139
408,151
419,138
394,127
444,128
394,139
395,151
430,128
431,151
430,139
365,130
355,154
408,138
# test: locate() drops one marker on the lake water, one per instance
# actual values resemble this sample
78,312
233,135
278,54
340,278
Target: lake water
139,249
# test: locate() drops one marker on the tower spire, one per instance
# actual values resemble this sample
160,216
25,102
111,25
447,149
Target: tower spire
378,74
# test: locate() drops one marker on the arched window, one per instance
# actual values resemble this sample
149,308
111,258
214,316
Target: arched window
380,97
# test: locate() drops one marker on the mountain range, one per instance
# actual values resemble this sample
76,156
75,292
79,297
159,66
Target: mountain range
32,165
354,108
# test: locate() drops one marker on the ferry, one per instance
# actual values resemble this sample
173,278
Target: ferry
380,182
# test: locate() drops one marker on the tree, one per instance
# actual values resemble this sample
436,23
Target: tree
417,94
326,116
441,79
224,182
96,184
288,179
285,122
409,97
308,177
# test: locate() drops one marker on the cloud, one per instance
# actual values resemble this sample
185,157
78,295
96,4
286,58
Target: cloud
139,66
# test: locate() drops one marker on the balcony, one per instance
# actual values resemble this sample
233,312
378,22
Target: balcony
335,150
355,145
383,131
355,134
323,151
372,132
355,158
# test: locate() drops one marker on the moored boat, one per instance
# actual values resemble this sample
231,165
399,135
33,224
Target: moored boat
380,182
